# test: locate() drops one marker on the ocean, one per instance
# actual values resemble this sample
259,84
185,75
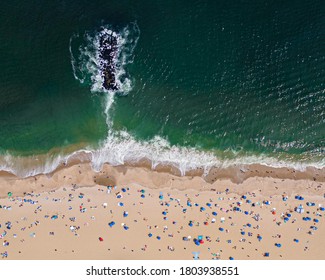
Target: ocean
201,84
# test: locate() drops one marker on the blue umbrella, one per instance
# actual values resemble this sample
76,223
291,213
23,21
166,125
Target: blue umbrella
246,212
164,213
231,258
242,232
289,215
125,214
214,213
296,240
111,224
316,220
221,229
202,209
322,209
143,196
208,204
158,237
123,190
150,234
243,197
249,225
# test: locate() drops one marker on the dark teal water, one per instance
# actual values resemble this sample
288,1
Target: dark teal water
234,78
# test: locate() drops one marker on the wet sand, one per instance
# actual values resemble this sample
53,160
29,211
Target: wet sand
65,215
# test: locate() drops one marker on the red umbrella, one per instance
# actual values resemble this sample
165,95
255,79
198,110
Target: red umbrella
101,239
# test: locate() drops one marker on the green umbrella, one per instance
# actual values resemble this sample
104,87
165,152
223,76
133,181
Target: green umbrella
9,194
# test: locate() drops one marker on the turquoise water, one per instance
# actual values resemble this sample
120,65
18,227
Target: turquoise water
228,80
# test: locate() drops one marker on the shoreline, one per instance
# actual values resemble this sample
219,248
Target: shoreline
123,175
237,174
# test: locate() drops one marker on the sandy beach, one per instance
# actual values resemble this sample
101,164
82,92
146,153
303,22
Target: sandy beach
136,213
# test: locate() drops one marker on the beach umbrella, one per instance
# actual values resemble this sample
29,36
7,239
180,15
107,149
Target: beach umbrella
125,214
189,204
196,204
259,237
248,201
231,258
249,225
120,204
296,240
164,213
208,204
242,232
214,213
111,224
158,237
150,234
201,241
119,196
142,191
278,245
316,220
206,223
125,227
267,254
101,239
143,196
190,224
9,194
221,229
246,212
243,197
184,210
196,242
286,219
202,209
289,215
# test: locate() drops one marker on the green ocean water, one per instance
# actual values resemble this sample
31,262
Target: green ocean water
229,78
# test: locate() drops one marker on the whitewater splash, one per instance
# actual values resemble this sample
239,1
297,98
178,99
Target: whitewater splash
99,58
120,147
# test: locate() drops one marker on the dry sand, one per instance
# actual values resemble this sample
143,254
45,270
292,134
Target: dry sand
62,216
